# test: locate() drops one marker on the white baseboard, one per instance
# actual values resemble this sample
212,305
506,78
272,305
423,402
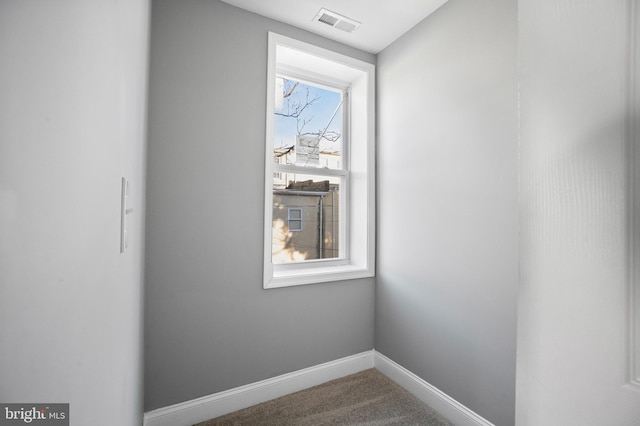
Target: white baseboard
435,398
219,404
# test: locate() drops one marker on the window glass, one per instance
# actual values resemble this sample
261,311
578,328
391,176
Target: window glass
308,134
306,220
307,125
295,219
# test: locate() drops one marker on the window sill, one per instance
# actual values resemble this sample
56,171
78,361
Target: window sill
320,274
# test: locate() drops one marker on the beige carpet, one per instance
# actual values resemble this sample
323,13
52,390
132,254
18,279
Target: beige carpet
367,398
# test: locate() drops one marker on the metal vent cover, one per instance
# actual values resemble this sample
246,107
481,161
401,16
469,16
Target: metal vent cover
336,20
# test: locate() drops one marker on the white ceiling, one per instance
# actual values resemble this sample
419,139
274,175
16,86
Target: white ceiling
382,21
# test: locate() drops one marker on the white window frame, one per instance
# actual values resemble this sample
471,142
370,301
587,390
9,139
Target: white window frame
357,248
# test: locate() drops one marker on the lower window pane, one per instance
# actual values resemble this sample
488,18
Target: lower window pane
306,218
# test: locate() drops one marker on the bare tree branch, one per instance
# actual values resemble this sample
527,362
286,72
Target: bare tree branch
295,108
288,92
281,152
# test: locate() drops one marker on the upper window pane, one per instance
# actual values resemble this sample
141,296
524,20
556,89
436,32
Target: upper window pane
308,129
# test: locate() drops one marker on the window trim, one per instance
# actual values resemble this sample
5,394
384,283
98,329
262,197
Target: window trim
357,78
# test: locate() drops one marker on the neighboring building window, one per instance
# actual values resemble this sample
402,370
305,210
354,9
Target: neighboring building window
294,222
319,195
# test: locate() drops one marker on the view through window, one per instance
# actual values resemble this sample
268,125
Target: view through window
309,171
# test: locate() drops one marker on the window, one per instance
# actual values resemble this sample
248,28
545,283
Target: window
295,220
319,174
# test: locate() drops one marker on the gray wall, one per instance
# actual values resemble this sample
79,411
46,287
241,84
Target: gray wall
448,203
72,123
209,324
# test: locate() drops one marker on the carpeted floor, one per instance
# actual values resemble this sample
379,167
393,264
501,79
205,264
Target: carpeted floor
367,398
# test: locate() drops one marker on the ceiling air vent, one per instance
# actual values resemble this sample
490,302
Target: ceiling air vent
336,20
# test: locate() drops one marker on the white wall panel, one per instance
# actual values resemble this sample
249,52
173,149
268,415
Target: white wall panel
576,71
72,123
